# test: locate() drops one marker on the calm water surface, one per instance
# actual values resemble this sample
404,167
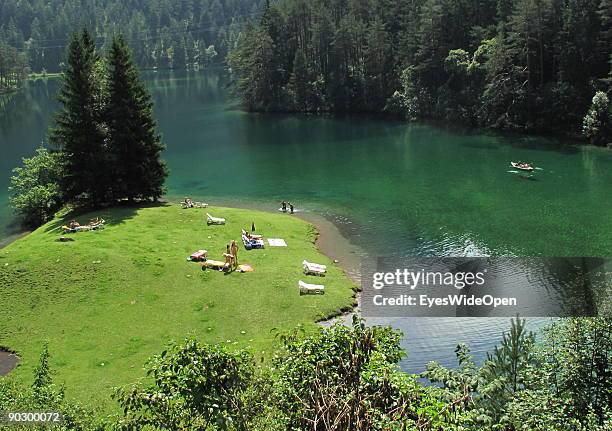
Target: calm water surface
392,188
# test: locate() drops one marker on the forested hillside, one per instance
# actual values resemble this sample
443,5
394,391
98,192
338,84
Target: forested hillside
162,33
13,68
512,64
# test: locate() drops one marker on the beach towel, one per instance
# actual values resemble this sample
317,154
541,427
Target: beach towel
198,256
245,268
314,268
251,235
214,264
250,243
277,242
313,289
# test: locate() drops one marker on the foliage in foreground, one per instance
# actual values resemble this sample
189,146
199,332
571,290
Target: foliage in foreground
342,378
194,386
44,396
560,384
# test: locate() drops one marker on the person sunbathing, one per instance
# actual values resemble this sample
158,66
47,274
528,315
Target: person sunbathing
73,224
251,236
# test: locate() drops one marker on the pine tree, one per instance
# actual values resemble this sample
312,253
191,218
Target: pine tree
133,143
298,83
605,42
79,133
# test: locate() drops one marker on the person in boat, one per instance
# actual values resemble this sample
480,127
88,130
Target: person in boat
234,253
291,207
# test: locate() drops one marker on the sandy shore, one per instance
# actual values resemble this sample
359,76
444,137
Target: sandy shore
334,245
330,241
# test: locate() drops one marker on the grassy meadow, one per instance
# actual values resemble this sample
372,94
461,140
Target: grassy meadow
114,297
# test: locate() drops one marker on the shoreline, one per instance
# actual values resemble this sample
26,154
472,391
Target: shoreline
329,241
343,253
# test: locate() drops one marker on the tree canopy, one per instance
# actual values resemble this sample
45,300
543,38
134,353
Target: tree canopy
531,65
162,33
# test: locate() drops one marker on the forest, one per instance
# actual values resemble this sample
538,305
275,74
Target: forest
13,68
526,65
161,33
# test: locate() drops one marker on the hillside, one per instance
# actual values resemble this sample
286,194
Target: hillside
112,298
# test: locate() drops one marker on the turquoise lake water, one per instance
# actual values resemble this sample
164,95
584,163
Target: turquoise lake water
394,189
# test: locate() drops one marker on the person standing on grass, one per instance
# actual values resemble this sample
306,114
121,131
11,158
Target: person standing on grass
234,252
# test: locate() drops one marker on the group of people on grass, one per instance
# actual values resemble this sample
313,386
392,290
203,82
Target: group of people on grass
75,226
284,206
187,203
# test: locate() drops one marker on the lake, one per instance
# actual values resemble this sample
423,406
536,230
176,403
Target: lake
392,188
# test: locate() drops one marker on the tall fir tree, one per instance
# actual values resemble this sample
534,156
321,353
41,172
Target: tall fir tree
134,145
79,133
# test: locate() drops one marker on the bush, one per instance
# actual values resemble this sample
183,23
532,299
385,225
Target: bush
44,396
195,386
597,124
35,187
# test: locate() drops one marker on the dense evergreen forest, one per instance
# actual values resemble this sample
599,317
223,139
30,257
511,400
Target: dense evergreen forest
13,68
508,64
162,33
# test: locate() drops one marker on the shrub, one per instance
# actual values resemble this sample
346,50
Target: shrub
35,187
597,124
195,386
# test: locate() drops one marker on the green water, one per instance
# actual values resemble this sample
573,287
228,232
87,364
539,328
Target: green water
393,188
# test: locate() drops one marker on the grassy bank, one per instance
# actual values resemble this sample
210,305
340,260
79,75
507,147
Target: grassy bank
112,298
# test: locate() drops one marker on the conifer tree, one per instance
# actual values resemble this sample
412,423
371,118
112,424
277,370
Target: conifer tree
78,133
298,83
134,145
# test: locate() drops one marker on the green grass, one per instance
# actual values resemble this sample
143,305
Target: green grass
112,298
